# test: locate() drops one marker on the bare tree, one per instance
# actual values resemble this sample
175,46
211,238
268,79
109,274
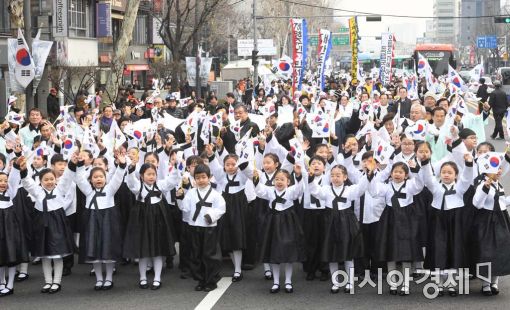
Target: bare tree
63,78
121,47
178,28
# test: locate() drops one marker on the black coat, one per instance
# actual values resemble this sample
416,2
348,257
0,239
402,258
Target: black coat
498,101
52,106
482,92
405,107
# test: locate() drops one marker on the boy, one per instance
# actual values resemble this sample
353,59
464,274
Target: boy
205,207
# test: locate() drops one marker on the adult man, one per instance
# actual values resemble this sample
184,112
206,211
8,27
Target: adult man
172,107
437,134
28,133
52,105
499,104
231,99
241,113
403,104
211,106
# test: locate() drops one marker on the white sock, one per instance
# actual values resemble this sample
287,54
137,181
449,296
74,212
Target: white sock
23,267
109,271
142,268
495,280
288,273
58,266
406,274
12,274
98,269
392,280
158,266
2,275
349,268
267,267
276,273
46,267
238,258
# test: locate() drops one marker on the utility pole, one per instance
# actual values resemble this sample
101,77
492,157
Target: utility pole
255,50
27,16
289,48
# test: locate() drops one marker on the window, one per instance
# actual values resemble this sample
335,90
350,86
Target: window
141,30
78,16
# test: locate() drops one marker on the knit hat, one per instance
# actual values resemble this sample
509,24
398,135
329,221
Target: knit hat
466,132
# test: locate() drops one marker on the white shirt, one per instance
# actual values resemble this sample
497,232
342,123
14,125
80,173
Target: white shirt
214,206
288,195
406,189
484,198
346,194
57,201
103,198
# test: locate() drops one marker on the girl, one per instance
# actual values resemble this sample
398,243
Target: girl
283,236
12,237
396,232
343,240
447,219
232,224
491,232
52,235
101,240
270,165
148,235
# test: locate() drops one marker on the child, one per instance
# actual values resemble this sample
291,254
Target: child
14,249
447,220
343,240
52,236
396,232
232,225
491,232
283,236
148,234
101,240
205,206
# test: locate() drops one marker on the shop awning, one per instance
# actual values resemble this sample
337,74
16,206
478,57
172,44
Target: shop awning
137,67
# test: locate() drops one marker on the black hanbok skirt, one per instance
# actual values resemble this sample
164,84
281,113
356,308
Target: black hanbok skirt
102,239
448,231
490,239
25,209
148,232
283,238
423,203
396,236
13,244
343,239
231,226
52,237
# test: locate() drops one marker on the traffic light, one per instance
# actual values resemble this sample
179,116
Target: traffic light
254,61
502,19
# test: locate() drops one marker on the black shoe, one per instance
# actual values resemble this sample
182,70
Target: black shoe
487,292
22,276
92,273
247,266
452,292
109,286
440,292
46,288
143,285
199,288
66,272
310,276
324,276
98,286
347,289
275,289
289,288
156,285
210,287
493,137
124,261
56,289
335,289
10,291
393,291
404,291
268,275
494,289
237,277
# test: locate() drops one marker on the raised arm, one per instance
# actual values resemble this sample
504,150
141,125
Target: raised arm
132,181
170,181
481,194
428,178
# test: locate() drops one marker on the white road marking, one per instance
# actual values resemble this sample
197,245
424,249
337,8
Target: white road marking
212,297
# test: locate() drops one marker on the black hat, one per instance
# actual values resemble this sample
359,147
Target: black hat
466,132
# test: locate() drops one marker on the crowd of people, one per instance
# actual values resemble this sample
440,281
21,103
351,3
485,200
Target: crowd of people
397,182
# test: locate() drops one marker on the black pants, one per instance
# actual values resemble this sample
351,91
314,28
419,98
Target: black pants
313,226
205,254
498,128
250,253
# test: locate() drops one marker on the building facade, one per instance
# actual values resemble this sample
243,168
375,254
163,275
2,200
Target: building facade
446,30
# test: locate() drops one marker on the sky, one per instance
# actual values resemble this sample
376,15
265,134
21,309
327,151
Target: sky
396,7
